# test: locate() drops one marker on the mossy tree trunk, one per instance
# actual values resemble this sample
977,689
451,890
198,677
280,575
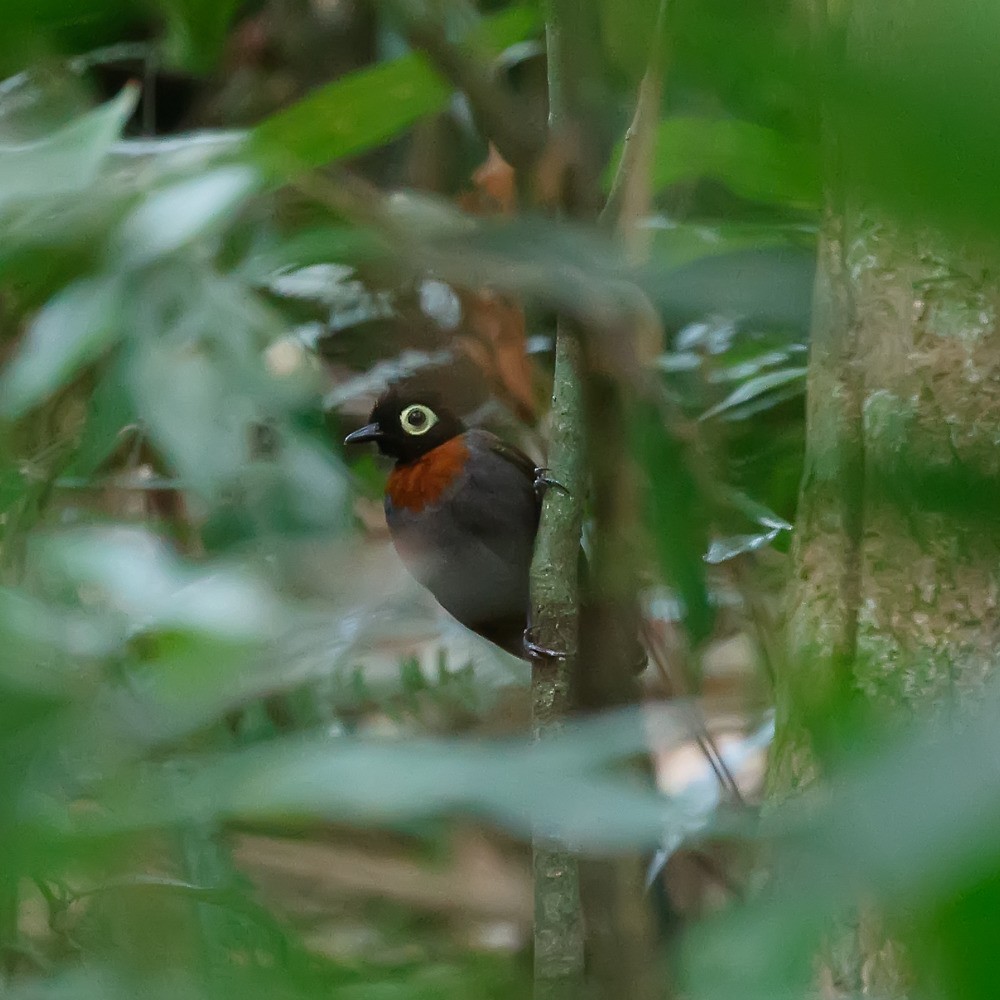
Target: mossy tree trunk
897,552
897,555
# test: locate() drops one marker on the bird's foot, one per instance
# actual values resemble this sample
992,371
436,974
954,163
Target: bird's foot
544,482
537,651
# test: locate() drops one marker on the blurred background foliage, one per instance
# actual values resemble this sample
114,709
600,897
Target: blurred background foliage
242,755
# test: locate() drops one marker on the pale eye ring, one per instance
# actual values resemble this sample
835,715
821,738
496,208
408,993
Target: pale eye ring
417,419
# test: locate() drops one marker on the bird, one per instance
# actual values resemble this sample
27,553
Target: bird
462,506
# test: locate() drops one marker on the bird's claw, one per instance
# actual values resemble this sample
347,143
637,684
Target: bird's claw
537,651
544,482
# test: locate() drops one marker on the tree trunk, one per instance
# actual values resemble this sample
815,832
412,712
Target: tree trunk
897,557
894,601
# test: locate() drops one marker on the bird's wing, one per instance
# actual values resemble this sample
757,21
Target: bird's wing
502,507
525,465
514,455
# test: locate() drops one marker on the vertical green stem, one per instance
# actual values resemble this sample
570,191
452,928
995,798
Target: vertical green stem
579,128
554,596
554,602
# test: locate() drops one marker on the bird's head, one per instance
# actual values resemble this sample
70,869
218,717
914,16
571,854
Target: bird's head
408,425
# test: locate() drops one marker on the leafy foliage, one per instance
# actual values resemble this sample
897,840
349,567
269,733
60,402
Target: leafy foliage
200,638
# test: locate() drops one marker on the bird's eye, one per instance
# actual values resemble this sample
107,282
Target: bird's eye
417,419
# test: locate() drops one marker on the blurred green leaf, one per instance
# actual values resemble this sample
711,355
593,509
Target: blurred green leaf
39,637
755,388
755,162
196,370
136,576
300,488
185,394
677,243
917,100
910,98
370,106
563,265
198,30
31,27
676,514
305,247
74,328
109,412
560,786
67,160
627,33
183,212
908,817
290,142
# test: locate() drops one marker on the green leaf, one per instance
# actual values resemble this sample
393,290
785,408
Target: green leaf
196,370
367,108
676,512
627,32
109,412
723,549
910,819
754,162
181,213
198,30
34,27
73,329
134,573
754,388
678,243
763,286
185,395
560,787
67,161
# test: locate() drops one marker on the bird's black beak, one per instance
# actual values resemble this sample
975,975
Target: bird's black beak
370,432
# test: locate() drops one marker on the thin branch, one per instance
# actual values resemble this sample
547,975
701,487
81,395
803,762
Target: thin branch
677,685
558,928
631,189
617,914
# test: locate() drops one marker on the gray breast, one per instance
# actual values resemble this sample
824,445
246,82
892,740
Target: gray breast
473,549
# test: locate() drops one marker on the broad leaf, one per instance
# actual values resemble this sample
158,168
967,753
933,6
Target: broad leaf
72,329
185,394
180,214
560,786
198,30
370,106
675,510
67,160
109,413
135,575
754,162
754,388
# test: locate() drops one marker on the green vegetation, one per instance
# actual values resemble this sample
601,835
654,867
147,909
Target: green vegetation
241,754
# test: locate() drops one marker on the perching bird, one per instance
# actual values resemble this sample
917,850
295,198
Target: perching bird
463,508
